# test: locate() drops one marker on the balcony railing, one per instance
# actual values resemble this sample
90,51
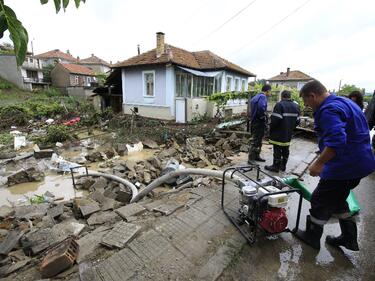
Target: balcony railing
34,65
33,80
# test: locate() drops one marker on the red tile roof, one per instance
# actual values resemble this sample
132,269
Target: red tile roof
94,60
78,69
204,60
294,75
56,54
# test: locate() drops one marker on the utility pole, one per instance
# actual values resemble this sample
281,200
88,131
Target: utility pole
339,86
32,46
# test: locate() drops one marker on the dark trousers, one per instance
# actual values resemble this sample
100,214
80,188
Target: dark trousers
280,154
257,133
329,198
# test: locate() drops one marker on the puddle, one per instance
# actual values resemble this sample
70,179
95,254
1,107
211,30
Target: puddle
140,155
59,185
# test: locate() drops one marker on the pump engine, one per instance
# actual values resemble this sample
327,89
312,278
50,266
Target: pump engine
259,206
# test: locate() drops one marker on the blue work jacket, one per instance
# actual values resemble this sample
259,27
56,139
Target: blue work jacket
258,106
341,125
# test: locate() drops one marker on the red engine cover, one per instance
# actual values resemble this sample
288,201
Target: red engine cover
274,220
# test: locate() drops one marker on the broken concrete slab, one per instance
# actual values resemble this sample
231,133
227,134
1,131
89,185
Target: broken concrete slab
155,162
103,218
91,242
38,240
150,144
6,270
121,234
42,153
29,175
168,208
123,196
105,202
31,211
99,184
167,153
86,206
10,241
130,210
56,211
7,154
6,211
67,228
130,165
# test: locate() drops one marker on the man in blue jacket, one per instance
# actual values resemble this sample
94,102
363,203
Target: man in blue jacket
345,158
258,118
284,119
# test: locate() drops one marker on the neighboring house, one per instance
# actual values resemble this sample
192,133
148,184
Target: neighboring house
55,56
171,83
96,64
290,78
28,76
72,75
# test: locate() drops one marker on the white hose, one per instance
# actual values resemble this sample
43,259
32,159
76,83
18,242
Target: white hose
125,182
191,171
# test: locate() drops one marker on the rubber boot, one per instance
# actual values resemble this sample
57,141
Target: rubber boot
311,235
260,159
348,237
283,165
274,167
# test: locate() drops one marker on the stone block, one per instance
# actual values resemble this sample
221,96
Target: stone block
121,234
130,210
103,218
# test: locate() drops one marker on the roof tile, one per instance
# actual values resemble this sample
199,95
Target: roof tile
78,69
293,75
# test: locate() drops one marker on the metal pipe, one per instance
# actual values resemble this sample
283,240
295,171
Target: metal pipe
191,171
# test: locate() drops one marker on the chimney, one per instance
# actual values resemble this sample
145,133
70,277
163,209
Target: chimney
287,71
92,55
160,47
78,58
169,53
139,49
68,52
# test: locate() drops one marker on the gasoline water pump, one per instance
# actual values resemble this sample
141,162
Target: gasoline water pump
262,203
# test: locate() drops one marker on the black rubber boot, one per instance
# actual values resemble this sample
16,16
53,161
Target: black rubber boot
312,234
260,159
283,165
274,167
348,237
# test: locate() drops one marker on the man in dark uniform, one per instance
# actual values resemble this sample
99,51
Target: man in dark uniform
345,158
258,117
284,119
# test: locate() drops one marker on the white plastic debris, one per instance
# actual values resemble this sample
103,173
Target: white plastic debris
59,144
15,133
135,147
19,141
50,121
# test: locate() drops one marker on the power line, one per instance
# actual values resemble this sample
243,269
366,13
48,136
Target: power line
226,22
273,26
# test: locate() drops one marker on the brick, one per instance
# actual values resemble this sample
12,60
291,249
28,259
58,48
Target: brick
59,258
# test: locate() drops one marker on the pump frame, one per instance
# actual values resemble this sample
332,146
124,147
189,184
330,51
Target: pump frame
251,236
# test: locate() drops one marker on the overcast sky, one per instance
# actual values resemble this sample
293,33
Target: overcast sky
331,40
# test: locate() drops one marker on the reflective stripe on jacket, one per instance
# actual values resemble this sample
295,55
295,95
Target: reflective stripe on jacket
284,119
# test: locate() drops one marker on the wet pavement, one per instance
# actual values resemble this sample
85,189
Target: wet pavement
193,240
286,258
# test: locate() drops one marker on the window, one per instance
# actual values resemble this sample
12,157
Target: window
148,83
218,84
237,84
76,80
229,84
243,86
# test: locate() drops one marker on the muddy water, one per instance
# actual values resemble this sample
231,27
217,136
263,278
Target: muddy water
59,185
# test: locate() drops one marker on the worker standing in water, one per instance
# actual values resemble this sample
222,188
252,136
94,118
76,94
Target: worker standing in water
345,158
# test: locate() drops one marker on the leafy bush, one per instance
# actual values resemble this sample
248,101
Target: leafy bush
5,85
14,115
57,133
6,139
51,92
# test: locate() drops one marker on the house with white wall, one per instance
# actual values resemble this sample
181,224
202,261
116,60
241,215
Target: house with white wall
55,56
29,76
171,83
95,63
290,79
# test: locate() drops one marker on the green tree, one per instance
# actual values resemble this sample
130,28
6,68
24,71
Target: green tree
347,89
18,33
